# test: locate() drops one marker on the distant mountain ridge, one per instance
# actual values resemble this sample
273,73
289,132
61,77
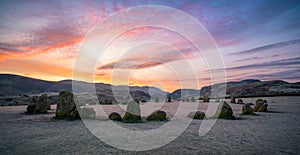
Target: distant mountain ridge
15,85
244,88
253,87
18,85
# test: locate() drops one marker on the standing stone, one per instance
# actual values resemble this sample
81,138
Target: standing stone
66,108
247,109
169,98
133,113
41,106
157,115
263,108
42,103
193,99
197,115
258,104
115,116
30,108
240,101
226,111
205,99
232,99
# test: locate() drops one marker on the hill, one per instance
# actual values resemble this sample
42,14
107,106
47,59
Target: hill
253,88
14,86
244,88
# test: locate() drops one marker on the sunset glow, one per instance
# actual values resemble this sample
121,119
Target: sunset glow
257,40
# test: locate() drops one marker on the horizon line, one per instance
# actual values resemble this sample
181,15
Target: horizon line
131,85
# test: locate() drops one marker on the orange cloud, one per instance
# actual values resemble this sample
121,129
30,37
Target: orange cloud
34,51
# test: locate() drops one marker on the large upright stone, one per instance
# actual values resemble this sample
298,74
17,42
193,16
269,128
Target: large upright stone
42,103
205,99
226,111
263,108
66,108
247,109
258,104
41,106
133,113
232,99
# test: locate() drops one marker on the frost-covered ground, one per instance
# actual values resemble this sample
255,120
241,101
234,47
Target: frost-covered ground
276,132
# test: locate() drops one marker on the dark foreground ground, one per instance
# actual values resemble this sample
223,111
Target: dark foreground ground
276,132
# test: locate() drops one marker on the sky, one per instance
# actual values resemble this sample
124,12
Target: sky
256,39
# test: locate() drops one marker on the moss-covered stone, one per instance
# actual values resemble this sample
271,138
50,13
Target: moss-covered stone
133,113
66,107
193,99
205,99
157,115
263,108
258,104
240,101
30,108
40,106
115,116
226,111
232,99
247,109
196,115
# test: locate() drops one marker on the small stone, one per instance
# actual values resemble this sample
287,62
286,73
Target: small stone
240,101
205,99
247,109
232,99
115,116
197,115
157,115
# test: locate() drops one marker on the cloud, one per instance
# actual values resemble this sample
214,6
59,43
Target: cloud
292,74
40,27
238,22
256,58
268,47
6,48
278,63
130,64
146,58
287,74
260,70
